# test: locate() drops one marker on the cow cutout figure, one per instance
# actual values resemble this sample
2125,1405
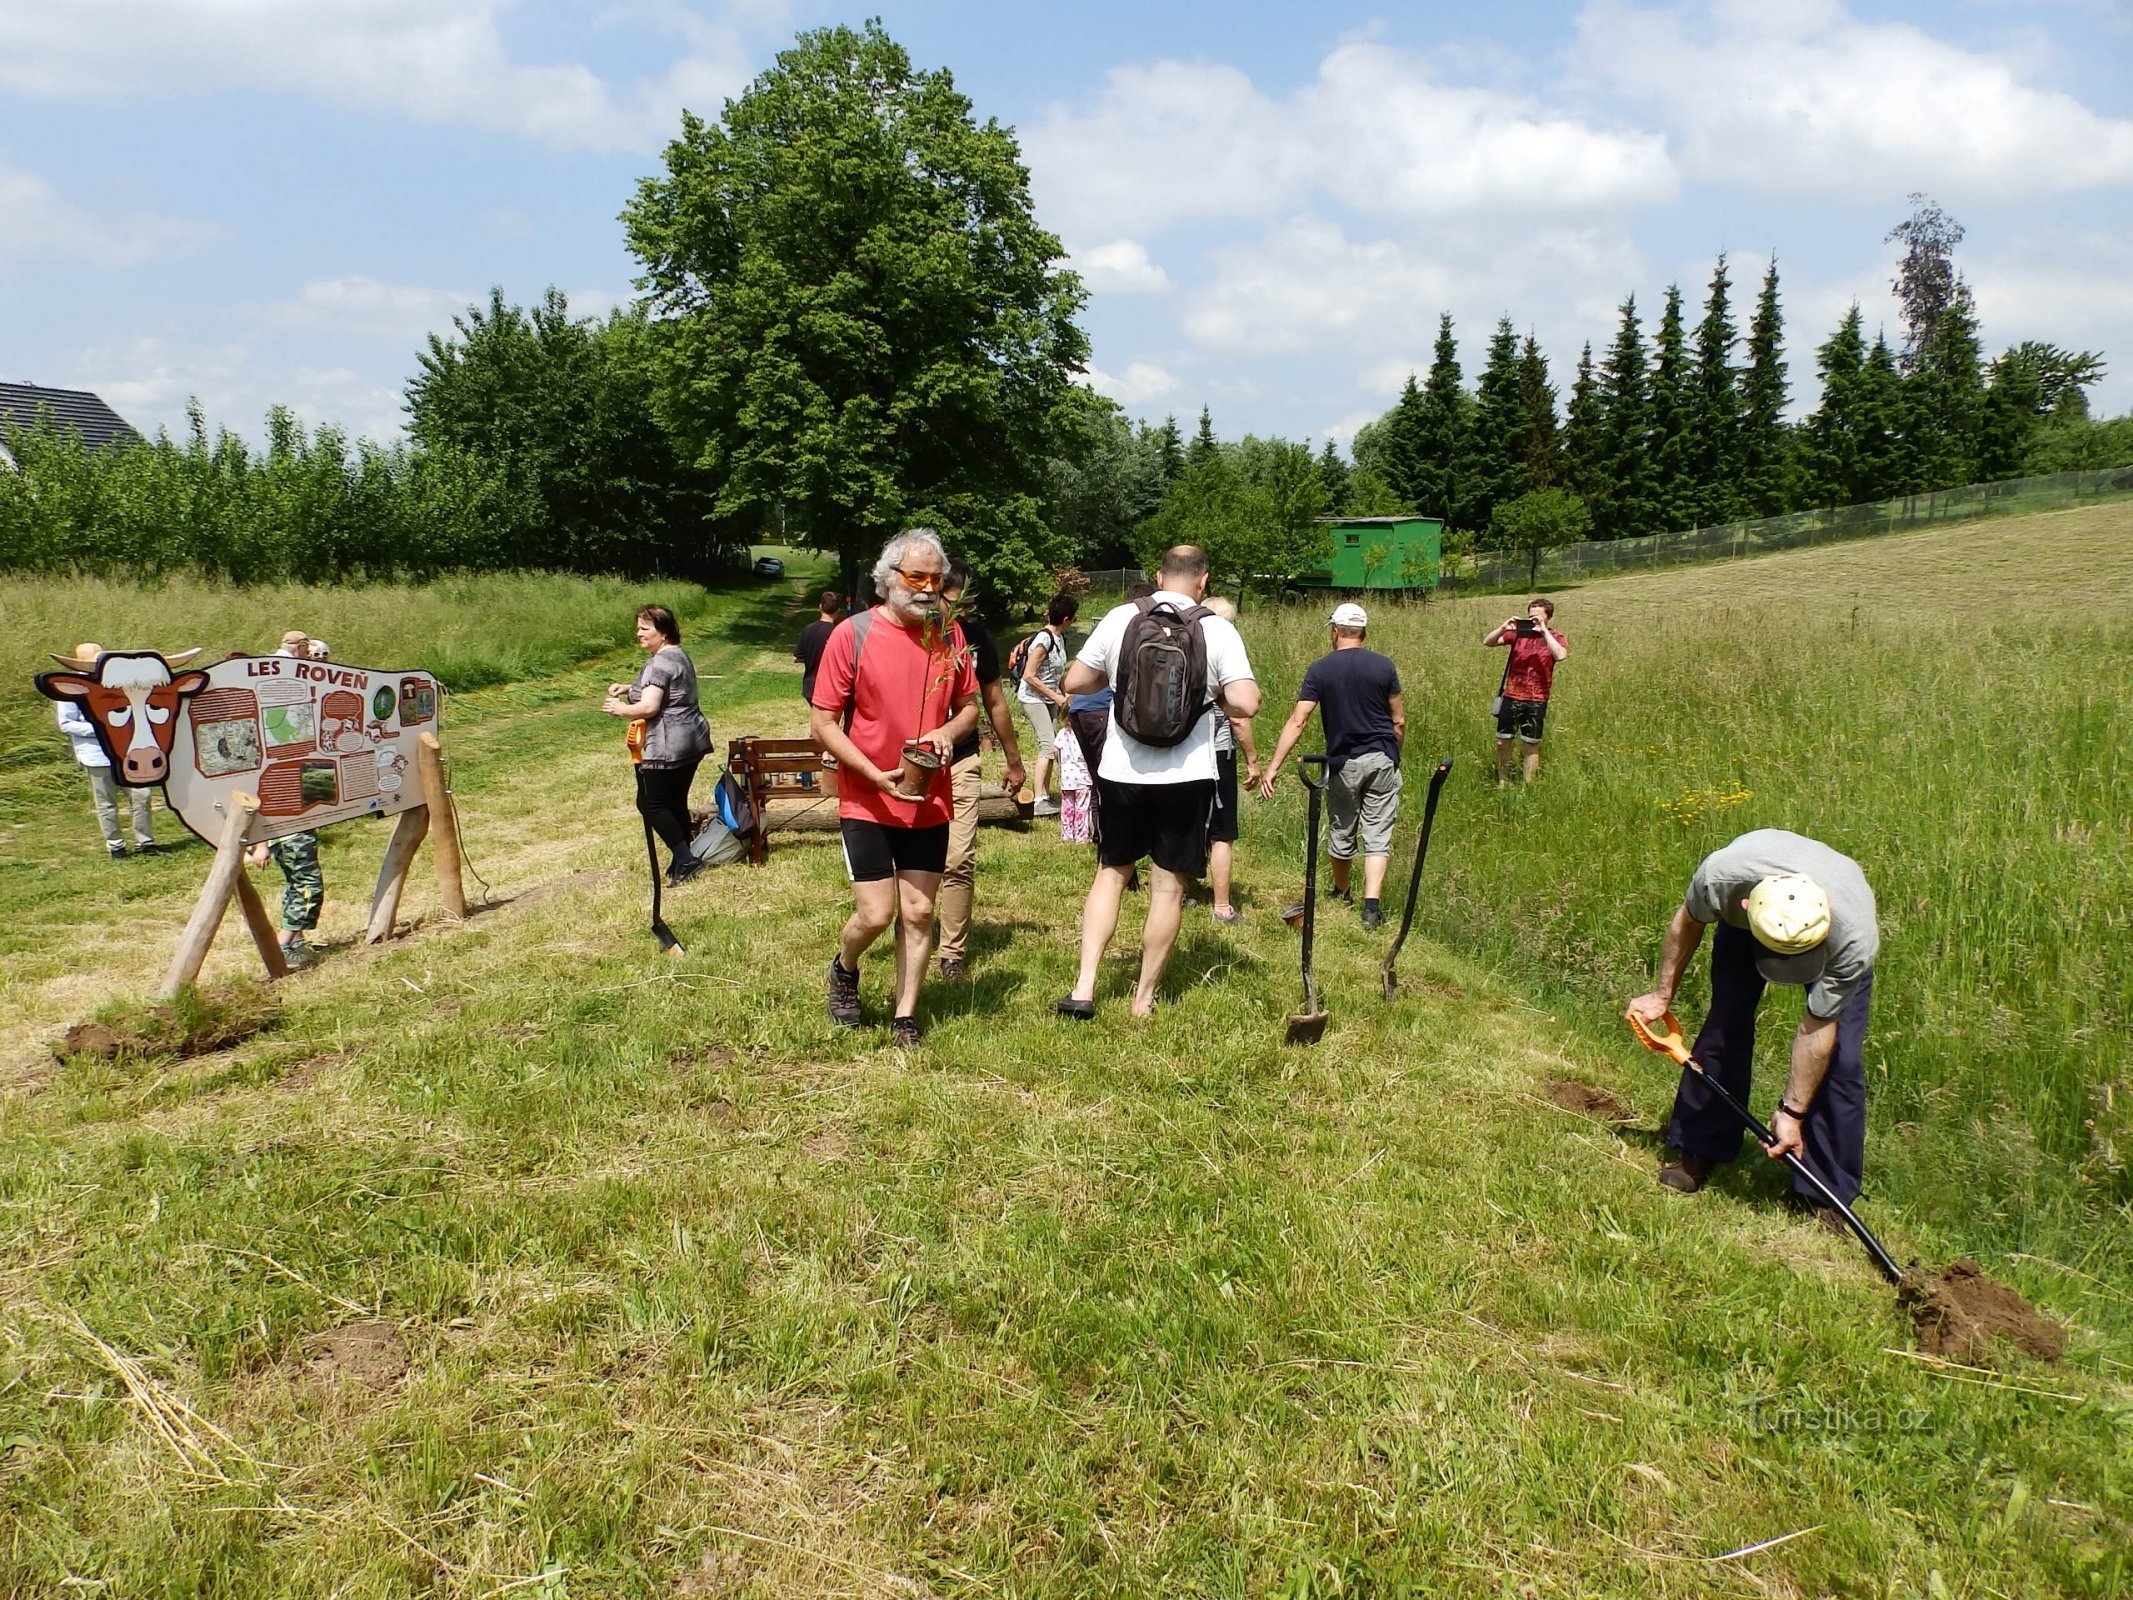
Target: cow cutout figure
314,743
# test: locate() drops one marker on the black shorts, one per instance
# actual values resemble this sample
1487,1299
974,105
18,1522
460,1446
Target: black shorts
1166,822
1222,820
1522,717
874,850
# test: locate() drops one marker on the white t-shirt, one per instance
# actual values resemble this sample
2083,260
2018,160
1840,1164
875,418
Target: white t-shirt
1126,759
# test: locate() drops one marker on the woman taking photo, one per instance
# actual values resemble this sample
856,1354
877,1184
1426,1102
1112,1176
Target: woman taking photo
669,730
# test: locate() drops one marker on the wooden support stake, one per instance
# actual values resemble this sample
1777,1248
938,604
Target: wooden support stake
444,827
262,926
392,875
214,895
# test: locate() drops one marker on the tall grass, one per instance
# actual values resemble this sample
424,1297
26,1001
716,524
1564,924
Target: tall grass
1952,709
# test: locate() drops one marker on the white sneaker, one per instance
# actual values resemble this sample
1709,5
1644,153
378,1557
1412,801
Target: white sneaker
1046,807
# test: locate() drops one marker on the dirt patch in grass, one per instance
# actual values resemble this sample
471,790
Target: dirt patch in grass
196,1022
1961,1312
369,1353
1587,1100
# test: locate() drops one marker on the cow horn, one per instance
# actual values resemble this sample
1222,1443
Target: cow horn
73,663
180,657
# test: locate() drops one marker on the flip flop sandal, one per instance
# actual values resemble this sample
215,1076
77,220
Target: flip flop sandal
1078,1010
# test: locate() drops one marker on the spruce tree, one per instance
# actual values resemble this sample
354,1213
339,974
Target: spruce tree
1766,468
1674,501
1584,454
1878,411
1170,451
1625,509
1946,400
1496,453
1833,456
1203,443
1714,422
1539,438
1436,487
1393,448
2007,427
1333,473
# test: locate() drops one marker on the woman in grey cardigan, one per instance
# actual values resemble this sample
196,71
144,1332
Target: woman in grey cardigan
676,736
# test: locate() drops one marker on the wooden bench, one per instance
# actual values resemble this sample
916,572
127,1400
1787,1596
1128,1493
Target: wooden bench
788,787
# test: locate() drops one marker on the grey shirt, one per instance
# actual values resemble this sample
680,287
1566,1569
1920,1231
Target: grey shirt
1833,968
679,734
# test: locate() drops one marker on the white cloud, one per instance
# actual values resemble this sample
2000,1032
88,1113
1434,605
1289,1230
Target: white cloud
1177,141
36,219
1804,98
1141,382
1120,267
439,61
363,304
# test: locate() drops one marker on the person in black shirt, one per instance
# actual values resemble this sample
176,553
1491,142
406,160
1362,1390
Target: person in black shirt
1356,693
813,639
959,882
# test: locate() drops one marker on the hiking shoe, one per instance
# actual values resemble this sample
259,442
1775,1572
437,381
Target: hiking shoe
298,954
683,870
905,1033
954,969
1373,916
117,852
843,994
1340,897
1685,1174
151,848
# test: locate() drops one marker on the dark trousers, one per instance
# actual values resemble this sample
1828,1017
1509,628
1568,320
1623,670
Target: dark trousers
1091,729
663,798
1834,1129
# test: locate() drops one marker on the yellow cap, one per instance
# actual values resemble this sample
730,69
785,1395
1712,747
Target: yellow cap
1788,914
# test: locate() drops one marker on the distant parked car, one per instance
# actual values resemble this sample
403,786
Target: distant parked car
769,567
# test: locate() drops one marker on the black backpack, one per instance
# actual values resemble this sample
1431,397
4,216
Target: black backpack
1018,658
1161,681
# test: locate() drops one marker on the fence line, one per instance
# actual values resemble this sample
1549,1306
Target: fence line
1733,540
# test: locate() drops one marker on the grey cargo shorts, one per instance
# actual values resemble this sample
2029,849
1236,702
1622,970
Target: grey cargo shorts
1366,790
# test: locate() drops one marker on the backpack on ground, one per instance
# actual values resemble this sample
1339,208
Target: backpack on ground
732,806
1161,681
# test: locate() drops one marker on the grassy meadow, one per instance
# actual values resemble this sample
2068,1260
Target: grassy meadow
517,1258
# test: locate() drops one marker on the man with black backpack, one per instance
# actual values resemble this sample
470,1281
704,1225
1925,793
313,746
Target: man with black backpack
1175,669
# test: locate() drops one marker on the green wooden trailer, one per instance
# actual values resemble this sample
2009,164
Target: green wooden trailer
1379,553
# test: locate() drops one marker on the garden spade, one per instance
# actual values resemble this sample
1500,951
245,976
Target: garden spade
1667,1040
1414,884
1309,1025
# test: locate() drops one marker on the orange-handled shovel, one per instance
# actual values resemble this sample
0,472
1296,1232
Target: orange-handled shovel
1665,1037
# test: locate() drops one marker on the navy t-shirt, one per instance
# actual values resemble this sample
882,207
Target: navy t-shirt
1354,690
986,657
814,638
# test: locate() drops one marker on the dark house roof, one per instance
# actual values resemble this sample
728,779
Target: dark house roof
98,425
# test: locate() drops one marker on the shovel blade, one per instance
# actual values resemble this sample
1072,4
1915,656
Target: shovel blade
1308,1028
1392,983
1293,915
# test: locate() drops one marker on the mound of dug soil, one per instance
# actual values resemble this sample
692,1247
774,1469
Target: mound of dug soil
1961,1312
1587,1100
371,1353
196,1023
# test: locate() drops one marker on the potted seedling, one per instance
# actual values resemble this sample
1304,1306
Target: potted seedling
921,762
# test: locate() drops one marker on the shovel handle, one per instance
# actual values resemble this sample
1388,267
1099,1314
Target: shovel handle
1304,764
1665,1037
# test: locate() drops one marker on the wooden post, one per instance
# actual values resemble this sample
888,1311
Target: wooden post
262,926
392,876
214,896
444,834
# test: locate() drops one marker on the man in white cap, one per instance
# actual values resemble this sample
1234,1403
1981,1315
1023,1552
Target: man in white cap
1356,693
1789,910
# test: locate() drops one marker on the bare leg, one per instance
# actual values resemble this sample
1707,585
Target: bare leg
1533,762
915,894
1342,866
1503,760
1220,857
1374,876
1040,778
1159,935
1099,920
873,909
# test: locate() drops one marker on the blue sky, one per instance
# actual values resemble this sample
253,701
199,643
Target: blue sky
275,200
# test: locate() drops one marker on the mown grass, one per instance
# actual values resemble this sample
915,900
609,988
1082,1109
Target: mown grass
701,1296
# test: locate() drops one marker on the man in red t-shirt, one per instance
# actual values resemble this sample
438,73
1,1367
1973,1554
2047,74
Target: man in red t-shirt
1535,649
890,679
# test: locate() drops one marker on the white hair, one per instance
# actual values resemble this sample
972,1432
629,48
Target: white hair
893,553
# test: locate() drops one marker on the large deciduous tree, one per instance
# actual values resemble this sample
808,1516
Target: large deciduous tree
858,312
1926,282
